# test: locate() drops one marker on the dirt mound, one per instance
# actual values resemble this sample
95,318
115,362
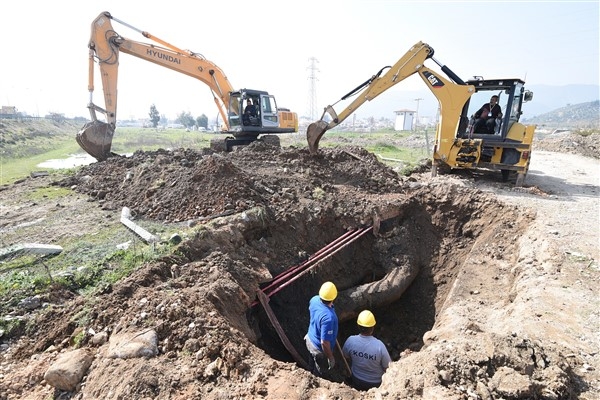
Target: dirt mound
569,142
186,184
440,266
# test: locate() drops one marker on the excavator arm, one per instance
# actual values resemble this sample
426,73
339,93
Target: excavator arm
451,95
104,48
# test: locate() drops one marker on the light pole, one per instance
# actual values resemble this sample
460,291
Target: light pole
417,113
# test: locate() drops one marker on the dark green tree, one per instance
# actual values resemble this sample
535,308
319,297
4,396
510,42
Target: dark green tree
202,121
185,118
154,116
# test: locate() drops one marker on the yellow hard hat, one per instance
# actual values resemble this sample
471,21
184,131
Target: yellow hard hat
366,319
328,291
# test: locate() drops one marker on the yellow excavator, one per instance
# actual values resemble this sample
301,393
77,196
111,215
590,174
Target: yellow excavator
461,142
244,124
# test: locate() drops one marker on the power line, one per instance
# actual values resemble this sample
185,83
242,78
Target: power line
312,88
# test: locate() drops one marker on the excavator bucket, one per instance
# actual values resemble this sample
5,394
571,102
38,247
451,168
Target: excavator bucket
96,139
314,133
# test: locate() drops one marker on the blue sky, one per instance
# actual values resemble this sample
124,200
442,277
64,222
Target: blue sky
267,45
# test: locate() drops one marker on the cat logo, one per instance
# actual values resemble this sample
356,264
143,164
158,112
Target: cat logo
433,80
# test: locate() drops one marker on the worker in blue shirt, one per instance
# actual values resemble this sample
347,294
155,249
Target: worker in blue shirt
322,330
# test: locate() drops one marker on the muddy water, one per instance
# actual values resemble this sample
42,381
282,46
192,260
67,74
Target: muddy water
75,160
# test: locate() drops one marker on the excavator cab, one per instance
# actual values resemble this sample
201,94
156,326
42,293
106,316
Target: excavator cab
252,113
247,121
505,145
511,96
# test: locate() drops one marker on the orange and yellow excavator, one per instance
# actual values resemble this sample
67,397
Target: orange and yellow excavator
459,141
105,46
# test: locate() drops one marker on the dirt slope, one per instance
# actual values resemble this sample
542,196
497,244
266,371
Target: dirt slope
505,303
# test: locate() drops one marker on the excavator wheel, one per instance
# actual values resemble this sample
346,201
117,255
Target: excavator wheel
313,135
95,138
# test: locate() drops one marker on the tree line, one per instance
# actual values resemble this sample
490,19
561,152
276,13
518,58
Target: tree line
184,118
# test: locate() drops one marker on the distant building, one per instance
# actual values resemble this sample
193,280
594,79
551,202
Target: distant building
8,111
405,120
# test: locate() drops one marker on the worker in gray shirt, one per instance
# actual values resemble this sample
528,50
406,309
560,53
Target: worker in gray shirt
368,355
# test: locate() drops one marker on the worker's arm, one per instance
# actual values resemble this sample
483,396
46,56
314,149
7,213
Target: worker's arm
328,350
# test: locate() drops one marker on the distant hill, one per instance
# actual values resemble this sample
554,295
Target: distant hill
547,98
580,116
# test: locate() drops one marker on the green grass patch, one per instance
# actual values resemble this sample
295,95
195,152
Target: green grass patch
88,264
587,132
406,155
32,275
49,193
23,147
128,140
381,143
12,169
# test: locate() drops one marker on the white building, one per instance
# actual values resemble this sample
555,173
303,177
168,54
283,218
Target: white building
405,120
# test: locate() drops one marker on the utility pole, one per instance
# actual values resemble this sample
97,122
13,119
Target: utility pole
417,113
417,120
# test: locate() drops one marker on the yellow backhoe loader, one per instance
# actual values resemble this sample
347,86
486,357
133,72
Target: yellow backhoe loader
460,143
244,127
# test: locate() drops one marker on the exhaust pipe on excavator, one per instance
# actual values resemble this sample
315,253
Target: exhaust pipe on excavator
96,139
314,132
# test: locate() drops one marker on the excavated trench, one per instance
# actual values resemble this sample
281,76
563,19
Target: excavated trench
402,270
436,240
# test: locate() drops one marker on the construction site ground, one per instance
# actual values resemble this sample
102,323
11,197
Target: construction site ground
481,290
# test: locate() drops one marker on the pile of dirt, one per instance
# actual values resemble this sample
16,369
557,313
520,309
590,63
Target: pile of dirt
180,185
445,258
569,142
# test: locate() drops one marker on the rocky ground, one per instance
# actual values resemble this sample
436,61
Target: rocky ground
486,291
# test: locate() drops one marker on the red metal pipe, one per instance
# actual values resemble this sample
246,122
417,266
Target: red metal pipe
319,256
341,241
316,255
323,259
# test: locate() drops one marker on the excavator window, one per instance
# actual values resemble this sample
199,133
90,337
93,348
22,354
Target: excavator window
476,102
268,105
234,112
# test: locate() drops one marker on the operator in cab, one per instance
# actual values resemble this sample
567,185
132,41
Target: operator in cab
249,113
485,117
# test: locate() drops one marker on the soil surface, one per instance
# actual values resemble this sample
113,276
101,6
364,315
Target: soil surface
484,290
